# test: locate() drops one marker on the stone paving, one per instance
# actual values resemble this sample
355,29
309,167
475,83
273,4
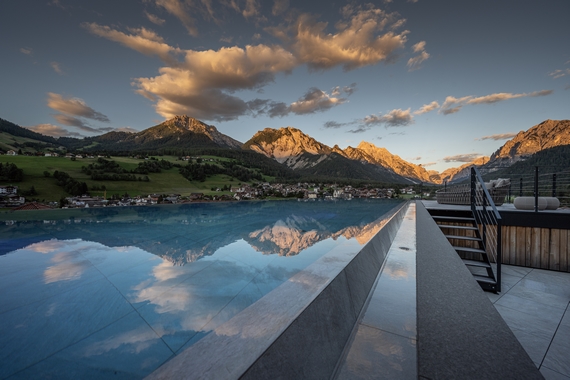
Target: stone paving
535,304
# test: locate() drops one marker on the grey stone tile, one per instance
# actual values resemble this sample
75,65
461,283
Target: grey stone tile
539,296
515,271
381,355
550,283
530,307
538,326
558,355
552,375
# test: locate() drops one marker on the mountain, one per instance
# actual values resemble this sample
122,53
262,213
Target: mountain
546,135
180,132
382,157
303,153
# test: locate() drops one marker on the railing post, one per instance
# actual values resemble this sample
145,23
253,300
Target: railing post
536,189
554,185
520,188
499,253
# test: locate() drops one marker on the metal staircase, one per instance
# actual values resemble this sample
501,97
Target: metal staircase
465,237
475,234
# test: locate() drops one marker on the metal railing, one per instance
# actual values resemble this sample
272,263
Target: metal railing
540,181
489,220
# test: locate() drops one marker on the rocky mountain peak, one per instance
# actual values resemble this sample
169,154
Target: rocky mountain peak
548,134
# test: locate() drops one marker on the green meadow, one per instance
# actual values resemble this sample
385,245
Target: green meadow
167,182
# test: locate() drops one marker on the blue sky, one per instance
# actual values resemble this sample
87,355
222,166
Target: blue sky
436,82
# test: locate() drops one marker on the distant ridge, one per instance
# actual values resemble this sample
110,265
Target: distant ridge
180,132
299,151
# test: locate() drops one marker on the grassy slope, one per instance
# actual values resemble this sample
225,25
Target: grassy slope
169,181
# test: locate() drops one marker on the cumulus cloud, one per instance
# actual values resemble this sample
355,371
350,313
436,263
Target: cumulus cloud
154,19
469,157
143,40
203,84
499,136
26,51
394,118
53,130
360,39
56,67
315,100
415,62
427,108
453,105
74,107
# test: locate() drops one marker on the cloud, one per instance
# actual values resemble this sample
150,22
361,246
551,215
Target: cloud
429,164
335,125
143,40
26,51
74,107
279,6
55,66
154,19
427,108
357,43
53,130
556,73
499,136
415,62
394,118
462,157
202,85
453,105
416,158
360,129
179,10
348,90
315,100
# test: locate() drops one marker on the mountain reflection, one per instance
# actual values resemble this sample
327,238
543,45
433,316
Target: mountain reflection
183,234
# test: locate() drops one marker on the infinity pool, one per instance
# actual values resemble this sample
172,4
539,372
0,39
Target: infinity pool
117,292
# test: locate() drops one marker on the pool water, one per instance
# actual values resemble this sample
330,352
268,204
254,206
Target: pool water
116,292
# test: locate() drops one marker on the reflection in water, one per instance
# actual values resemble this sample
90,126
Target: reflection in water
185,269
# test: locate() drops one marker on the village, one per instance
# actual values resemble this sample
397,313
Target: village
9,197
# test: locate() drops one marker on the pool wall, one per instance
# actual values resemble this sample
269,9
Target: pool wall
300,329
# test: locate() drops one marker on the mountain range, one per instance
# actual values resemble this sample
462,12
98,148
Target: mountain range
295,150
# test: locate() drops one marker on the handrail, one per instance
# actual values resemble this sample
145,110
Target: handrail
486,213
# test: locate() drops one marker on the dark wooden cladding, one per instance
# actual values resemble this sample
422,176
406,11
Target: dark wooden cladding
543,248
533,247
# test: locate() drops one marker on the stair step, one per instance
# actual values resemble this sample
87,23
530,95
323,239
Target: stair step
458,227
471,238
453,218
475,263
485,279
471,250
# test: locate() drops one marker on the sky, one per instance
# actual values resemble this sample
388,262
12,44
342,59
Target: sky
437,82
